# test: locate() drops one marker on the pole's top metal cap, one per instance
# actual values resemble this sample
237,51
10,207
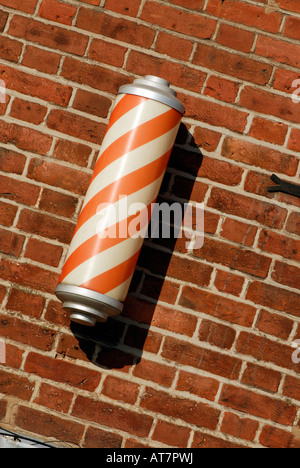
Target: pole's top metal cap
155,88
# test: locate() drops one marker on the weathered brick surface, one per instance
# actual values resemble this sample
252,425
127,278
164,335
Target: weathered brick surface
202,355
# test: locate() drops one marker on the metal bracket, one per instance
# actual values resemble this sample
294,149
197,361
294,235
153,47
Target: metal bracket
285,187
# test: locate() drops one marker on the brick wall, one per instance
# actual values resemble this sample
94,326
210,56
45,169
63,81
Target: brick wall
202,354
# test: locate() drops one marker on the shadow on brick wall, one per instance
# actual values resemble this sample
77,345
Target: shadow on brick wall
119,343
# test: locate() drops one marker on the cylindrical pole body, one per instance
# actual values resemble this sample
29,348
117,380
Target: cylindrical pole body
128,173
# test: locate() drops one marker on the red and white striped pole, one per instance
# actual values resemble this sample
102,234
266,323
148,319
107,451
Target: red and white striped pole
134,155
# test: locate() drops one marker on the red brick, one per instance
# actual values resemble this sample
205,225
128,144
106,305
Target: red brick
247,207
291,387
170,434
54,398
50,36
91,2
19,191
189,354
221,89
28,333
76,125
273,437
62,371
233,256
25,138
28,111
188,189
259,377
286,274
257,182
112,416
173,46
279,51
217,306
266,130
294,140
57,11
56,314
242,428
206,139
91,103
116,28
175,321
209,168
204,387
220,171
14,356
264,349
118,389
97,438
284,80
58,203
10,49
257,404
159,373
25,302
293,223
16,385
270,103
235,38
10,161
75,153
160,289
291,5
229,283
274,324
248,14
292,27
2,292
213,113
48,425
43,252
259,156
182,76
216,334
272,242
28,275
177,267
36,86
60,176
4,105
107,52
232,64
178,20
203,440
237,231
70,346
274,298
7,213
141,338
42,60
123,7
46,226
180,408
28,6
3,20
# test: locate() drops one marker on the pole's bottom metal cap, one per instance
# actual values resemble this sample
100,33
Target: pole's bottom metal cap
87,307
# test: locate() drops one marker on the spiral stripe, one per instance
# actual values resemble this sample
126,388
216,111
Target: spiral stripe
132,163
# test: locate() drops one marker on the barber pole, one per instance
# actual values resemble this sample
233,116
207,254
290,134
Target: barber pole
131,165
